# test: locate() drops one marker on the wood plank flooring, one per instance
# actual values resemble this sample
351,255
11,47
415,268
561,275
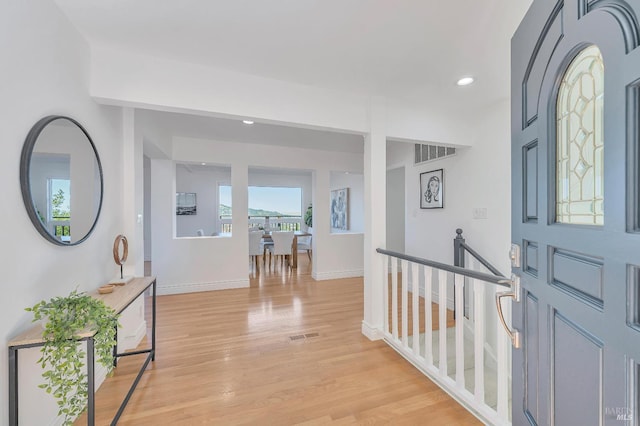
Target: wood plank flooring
236,357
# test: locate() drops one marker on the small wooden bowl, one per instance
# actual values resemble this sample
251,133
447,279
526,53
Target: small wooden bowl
105,289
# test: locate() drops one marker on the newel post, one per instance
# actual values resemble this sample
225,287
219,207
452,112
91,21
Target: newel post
458,249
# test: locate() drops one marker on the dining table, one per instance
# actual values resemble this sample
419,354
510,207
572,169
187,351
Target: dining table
294,245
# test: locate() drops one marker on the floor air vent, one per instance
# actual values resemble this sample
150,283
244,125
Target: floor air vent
303,336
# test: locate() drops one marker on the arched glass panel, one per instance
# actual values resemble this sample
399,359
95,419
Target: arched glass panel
580,141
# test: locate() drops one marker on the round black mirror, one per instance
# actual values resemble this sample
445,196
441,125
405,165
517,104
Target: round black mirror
61,180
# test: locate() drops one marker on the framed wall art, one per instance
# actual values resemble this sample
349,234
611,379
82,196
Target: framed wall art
340,209
432,189
186,203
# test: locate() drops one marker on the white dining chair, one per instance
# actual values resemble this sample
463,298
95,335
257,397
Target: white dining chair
304,243
282,242
255,246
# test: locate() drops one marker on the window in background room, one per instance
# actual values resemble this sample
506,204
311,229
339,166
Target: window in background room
275,208
224,207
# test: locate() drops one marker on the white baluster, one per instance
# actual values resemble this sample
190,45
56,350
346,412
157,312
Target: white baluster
442,320
502,350
394,297
428,319
459,309
415,288
478,338
405,303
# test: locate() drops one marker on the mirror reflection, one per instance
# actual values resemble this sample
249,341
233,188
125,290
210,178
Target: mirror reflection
61,180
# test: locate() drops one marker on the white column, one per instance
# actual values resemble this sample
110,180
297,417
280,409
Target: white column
132,192
240,209
321,229
375,175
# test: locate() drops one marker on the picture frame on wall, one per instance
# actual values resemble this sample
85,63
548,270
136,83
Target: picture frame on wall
186,203
340,209
432,189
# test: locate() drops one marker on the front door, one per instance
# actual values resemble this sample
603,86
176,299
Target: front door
576,192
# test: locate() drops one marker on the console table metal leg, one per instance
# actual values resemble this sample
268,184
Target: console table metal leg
13,387
153,323
91,383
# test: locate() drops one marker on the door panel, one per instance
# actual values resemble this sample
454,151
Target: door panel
545,45
532,348
578,275
530,262
577,386
580,310
530,175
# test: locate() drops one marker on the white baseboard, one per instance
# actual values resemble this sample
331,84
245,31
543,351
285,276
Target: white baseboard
320,276
132,340
197,287
370,332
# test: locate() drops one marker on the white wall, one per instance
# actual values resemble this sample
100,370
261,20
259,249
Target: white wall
44,71
124,78
355,183
203,181
477,177
395,209
147,208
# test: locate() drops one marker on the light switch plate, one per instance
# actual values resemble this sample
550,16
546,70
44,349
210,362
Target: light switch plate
479,212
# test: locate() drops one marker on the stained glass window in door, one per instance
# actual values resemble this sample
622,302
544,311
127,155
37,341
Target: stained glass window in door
580,141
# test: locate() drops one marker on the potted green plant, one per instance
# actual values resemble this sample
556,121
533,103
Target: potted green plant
62,354
308,217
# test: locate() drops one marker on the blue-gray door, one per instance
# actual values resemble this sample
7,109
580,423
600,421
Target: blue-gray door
576,216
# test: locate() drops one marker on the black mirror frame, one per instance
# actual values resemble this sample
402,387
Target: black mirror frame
25,181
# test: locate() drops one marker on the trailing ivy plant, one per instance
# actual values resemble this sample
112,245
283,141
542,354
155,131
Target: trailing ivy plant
63,357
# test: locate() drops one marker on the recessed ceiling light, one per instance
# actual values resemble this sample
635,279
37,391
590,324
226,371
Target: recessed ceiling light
465,81
204,164
247,121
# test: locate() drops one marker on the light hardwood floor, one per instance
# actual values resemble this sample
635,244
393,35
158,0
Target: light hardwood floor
237,357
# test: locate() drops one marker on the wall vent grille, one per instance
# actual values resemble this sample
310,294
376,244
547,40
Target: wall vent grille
425,153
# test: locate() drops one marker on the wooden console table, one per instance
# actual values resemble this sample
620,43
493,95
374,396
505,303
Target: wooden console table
119,300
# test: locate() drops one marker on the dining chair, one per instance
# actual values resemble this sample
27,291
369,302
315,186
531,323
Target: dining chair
255,246
304,243
282,242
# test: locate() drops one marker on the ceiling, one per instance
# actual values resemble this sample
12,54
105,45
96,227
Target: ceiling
394,48
234,130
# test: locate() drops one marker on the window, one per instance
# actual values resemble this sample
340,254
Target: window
274,201
281,205
59,197
580,141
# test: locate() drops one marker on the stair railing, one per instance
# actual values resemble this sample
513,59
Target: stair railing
418,299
